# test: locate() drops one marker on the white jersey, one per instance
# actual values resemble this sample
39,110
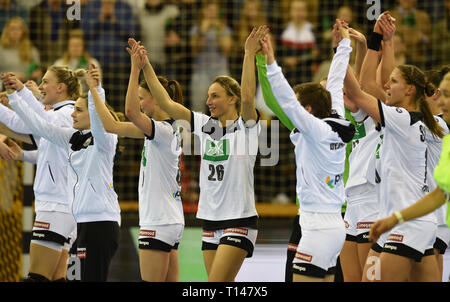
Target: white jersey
320,144
228,157
90,157
160,177
434,144
362,157
50,183
403,160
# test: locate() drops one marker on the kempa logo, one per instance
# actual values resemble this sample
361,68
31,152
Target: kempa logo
364,225
217,152
74,11
299,268
234,239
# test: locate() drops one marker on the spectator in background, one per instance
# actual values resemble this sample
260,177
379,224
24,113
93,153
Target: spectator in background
76,55
154,17
177,46
49,29
297,45
211,44
400,50
415,26
107,24
251,15
441,39
9,9
17,53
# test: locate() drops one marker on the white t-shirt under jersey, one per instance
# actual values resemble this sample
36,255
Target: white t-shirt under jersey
228,157
160,178
403,166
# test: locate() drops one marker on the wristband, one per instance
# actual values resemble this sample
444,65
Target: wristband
374,41
399,217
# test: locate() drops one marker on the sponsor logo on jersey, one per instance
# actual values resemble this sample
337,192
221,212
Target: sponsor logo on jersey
42,225
333,182
304,257
364,225
217,151
240,231
176,194
337,146
147,233
395,237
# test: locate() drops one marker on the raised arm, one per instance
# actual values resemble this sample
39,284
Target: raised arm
39,126
361,49
336,74
368,76
111,125
361,99
132,107
248,85
12,82
172,108
14,135
103,140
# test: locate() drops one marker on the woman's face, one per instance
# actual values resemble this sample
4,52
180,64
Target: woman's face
80,115
298,11
396,88
211,11
76,48
444,99
147,102
219,102
15,30
49,88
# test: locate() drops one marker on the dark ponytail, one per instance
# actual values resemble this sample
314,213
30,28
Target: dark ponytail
172,87
414,76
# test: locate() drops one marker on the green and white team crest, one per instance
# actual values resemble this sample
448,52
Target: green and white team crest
217,152
360,131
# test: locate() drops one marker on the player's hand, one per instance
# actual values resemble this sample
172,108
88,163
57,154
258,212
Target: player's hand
267,49
381,226
252,44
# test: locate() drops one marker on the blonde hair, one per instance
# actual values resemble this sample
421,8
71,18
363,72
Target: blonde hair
25,45
69,78
76,34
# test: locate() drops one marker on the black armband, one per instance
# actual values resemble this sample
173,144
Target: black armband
374,41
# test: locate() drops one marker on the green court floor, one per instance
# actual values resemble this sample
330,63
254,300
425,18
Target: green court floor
190,255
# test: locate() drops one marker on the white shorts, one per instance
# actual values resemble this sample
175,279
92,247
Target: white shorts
412,239
442,238
323,236
359,218
160,237
241,237
53,227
